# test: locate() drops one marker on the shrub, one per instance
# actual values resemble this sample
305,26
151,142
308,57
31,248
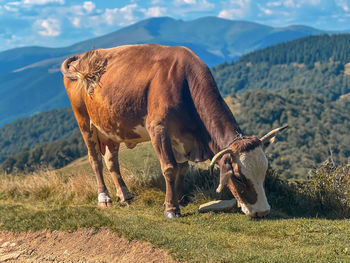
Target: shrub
329,184
326,193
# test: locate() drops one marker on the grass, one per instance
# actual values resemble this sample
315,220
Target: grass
66,200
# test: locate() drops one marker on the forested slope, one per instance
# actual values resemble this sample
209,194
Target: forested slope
315,64
318,128
41,128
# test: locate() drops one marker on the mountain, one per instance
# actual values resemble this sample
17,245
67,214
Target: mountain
218,39
31,81
314,64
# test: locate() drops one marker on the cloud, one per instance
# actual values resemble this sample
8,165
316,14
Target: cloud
183,8
300,3
11,8
48,27
230,13
155,11
15,3
120,16
274,4
89,6
76,21
41,2
289,3
184,2
266,11
343,4
236,9
156,2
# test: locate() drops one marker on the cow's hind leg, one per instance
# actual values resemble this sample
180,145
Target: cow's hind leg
112,163
92,143
162,145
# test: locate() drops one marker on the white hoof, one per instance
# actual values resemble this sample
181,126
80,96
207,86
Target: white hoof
104,198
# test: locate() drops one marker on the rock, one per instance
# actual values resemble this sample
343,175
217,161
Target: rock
5,244
218,206
10,256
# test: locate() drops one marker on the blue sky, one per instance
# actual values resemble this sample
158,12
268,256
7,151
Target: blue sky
56,23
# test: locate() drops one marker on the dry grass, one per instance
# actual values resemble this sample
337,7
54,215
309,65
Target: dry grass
51,186
75,183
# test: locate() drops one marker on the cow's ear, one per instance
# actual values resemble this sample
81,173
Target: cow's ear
270,137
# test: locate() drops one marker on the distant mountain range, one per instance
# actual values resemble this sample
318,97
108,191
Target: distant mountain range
31,81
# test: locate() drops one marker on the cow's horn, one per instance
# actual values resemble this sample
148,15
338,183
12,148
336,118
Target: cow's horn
218,156
273,133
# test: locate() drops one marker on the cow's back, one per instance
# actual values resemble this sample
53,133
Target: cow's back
140,82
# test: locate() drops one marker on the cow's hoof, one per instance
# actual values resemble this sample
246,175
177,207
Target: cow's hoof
126,202
104,200
105,204
172,214
124,196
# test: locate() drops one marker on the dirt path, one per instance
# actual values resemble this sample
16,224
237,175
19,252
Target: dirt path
83,245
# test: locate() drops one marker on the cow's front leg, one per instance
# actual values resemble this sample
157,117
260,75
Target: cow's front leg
161,143
112,163
182,170
172,208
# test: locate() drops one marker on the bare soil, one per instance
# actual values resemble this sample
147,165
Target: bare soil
82,245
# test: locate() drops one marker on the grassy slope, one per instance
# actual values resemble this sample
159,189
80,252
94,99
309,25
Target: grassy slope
65,199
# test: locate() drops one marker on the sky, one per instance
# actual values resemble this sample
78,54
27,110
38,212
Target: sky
59,23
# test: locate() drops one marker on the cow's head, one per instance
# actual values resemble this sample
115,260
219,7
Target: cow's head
243,166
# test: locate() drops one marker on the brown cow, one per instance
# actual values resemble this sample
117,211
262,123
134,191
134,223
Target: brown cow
137,93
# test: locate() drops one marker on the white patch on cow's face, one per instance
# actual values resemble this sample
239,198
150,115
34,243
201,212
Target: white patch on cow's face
253,165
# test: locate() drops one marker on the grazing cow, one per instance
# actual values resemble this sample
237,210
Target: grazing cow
137,93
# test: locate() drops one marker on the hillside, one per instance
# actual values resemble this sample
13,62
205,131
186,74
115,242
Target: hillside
318,128
315,64
27,133
30,76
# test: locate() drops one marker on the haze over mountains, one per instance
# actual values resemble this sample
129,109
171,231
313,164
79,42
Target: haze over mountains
31,81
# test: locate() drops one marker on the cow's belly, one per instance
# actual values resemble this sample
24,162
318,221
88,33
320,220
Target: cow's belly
120,134
188,149
185,147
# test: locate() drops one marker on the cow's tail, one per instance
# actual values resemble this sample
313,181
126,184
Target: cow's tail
69,72
87,69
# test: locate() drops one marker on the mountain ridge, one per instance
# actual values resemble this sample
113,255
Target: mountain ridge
30,75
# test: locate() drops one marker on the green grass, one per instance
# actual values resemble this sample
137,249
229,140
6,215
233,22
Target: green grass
66,200
222,237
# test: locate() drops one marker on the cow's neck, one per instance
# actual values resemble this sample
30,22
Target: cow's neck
213,111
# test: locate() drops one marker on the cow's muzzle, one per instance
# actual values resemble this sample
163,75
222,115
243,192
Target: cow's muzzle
259,214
